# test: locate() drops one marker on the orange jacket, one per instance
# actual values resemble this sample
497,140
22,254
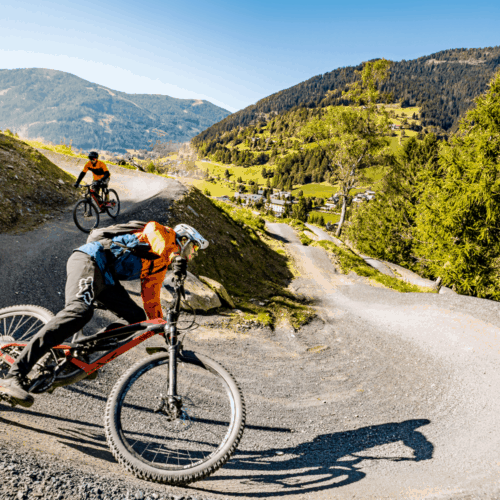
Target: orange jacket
161,240
97,170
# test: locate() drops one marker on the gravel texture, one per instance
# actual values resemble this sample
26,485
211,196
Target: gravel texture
29,476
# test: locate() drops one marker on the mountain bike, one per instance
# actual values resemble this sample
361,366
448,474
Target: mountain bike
87,210
174,417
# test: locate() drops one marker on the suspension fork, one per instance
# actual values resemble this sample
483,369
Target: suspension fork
174,401
170,329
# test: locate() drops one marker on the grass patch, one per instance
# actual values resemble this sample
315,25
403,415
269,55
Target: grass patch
348,261
67,150
56,148
243,216
288,310
215,189
277,309
322,190
304,239
246,173
327,217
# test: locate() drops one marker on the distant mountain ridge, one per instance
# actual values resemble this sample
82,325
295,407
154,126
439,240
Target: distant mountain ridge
443,85
50,104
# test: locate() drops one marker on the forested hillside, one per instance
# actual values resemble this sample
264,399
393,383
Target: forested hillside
443,85
287,158
54,105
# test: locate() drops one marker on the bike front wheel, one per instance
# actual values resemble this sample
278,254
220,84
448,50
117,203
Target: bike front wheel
113,204
86,215
152,443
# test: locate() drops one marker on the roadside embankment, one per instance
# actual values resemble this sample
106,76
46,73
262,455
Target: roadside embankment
32,188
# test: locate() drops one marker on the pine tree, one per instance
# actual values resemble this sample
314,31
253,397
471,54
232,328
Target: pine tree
459,231
384,228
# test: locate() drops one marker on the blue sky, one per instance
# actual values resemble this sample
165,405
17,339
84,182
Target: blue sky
231,53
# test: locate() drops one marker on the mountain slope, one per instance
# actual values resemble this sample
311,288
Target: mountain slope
442,85
53,105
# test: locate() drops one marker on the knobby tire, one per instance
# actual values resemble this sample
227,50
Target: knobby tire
200,383
113,213
85,203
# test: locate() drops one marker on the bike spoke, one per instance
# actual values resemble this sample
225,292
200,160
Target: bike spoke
32,328
177,442
10,325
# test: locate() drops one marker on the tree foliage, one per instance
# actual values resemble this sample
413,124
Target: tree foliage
353,138
439,210
384,228
459,231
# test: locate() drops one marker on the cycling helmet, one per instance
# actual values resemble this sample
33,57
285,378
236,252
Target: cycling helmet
189,240
93,154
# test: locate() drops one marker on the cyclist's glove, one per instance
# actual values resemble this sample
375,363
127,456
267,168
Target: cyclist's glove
179,266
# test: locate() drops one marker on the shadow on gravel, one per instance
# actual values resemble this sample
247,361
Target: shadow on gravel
329,461
77,439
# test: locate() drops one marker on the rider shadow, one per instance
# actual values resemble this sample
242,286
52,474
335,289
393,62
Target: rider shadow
329,461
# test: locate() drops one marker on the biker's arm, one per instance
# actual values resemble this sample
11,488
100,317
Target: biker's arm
80,178
150,293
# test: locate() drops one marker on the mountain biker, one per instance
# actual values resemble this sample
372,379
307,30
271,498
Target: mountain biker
99,170
93,273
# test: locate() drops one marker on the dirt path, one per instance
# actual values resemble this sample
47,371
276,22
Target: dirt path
385,395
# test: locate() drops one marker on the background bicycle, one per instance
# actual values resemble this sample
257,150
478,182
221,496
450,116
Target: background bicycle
87,210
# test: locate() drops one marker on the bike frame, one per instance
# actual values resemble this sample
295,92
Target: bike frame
92,194
165,328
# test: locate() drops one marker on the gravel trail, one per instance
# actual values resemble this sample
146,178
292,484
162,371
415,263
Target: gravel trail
383,396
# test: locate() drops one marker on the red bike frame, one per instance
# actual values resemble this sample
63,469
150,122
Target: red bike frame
152,327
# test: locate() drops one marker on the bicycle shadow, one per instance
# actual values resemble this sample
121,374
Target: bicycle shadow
329,461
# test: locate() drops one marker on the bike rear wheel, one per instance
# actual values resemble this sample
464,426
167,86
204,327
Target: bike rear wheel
20,324
152,444
86,215
113,204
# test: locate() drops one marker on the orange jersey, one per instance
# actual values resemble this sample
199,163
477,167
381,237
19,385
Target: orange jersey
161,240
97,170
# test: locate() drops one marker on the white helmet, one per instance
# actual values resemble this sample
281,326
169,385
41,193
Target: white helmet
184,231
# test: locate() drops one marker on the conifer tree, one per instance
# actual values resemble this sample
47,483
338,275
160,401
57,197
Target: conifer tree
384,228
459,230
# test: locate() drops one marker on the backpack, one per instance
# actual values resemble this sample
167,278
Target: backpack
106,234
123,249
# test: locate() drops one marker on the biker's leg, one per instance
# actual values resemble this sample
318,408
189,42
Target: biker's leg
117,300
84,282
105,190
